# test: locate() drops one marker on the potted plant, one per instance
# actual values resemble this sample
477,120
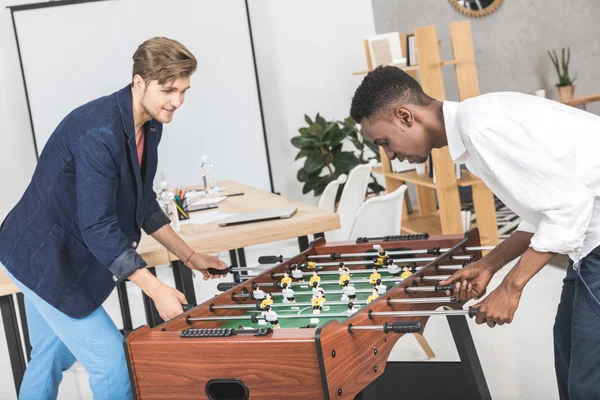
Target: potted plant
322,143
565,85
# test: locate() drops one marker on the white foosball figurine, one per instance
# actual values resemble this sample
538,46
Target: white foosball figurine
393,269
271,317
381,289
297,273
258,294
349,291
288,294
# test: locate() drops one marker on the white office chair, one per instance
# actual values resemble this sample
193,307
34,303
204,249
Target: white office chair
379,216
353,196
327,200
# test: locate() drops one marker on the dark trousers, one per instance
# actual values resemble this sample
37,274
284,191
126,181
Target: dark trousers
577,331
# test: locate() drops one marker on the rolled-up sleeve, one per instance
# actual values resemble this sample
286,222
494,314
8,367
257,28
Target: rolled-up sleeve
155,218
559,200
525,226
97,182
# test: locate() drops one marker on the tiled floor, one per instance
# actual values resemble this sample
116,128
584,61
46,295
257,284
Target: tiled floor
517,359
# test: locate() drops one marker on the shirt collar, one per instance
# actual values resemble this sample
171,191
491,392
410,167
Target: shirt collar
455,142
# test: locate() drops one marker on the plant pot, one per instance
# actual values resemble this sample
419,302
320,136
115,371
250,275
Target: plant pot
565,92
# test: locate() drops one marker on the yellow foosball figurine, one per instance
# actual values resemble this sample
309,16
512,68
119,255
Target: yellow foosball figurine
314,278
381,256
373,296
286,280
405,273
345,276
374,276
265,305
308,264
317,302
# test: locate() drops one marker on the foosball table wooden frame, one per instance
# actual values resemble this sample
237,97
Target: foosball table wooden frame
342,359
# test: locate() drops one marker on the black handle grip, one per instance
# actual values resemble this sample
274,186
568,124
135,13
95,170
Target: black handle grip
225,286
402,327
443,288
214,271
270,259
473,311
188,307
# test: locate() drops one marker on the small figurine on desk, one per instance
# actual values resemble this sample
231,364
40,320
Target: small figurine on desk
267,302
393,269
271,317
286,279
297,273
373,296
345,276
381,289
374,276
258,294
318,302
406,273
288,294
348,291
314,278
381,255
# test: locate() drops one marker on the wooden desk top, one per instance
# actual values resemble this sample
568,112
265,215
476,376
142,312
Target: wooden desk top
210,238
575,101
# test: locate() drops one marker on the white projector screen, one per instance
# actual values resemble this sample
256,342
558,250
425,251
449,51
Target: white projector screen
72,54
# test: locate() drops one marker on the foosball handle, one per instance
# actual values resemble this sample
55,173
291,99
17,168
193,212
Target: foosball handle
188,307
270,259
402,327
214,271
225,286
473,311
443,288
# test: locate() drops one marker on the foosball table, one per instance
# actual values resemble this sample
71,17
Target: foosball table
319,325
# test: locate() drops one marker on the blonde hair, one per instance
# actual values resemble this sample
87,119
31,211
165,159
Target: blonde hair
164,60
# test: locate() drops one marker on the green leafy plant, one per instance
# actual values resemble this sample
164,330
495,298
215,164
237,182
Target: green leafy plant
321,143
562,67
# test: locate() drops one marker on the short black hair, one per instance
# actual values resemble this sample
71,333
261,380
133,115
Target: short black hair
386,87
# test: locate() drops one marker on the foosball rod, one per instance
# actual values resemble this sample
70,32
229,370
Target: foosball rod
361,280
471,312
394,261
407,289
283,305
451,267
432,250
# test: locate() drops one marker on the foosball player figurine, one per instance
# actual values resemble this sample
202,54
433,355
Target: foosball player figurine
393,269
351,308
271,317
286,280
405,273
318,302
345,276
381,255
341,267
381,289
288,294
316,289
348,291
373,296
374,276
258,294
308,265
267,302
297,273
314,278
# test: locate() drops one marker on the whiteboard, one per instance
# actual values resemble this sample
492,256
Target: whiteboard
72,54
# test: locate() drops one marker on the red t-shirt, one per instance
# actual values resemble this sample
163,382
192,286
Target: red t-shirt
140,148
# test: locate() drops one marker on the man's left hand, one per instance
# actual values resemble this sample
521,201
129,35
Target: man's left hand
202,262
499,306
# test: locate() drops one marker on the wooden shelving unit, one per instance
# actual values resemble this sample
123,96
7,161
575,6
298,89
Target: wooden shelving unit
439,208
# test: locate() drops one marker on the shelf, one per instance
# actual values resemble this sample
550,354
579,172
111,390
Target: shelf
410,68
416,223
377,170
468,179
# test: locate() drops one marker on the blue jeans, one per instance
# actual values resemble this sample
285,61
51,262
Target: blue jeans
57,340
577,332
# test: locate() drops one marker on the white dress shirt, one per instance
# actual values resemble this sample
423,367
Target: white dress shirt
541,158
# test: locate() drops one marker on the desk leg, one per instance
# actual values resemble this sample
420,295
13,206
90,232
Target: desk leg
25,327
152,316
319,235
303,243
184,280
124,303
13,339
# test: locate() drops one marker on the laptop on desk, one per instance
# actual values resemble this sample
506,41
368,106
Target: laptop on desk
246,218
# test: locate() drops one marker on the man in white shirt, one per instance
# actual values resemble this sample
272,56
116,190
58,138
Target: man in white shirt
540,158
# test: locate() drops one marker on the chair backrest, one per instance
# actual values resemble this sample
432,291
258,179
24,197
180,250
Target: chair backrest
327,200
353,196
379,216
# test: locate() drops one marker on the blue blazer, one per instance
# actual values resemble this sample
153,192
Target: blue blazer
72,236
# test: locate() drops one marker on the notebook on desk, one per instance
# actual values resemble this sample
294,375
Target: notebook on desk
245,218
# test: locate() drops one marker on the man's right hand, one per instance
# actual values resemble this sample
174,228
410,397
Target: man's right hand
168,301
471,281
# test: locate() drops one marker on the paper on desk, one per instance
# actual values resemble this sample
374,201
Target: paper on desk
205,217
194,194
207,200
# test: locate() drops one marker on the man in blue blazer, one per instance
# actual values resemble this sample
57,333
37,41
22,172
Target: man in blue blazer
73,235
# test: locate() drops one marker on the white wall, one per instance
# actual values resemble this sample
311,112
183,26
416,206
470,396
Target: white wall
306,52
17,157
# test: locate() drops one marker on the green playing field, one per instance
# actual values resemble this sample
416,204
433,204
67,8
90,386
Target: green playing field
303,294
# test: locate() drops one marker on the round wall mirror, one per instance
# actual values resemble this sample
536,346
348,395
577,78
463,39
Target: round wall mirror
476,8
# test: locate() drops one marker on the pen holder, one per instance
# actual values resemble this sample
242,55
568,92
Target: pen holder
183,211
